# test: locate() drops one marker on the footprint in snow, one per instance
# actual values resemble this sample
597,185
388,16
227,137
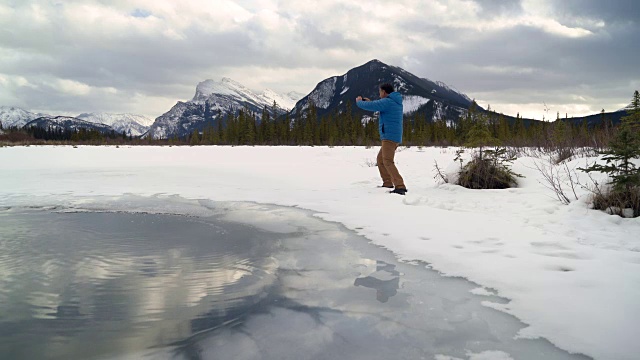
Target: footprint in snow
412,201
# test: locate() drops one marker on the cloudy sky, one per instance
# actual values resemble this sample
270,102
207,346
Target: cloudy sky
141,56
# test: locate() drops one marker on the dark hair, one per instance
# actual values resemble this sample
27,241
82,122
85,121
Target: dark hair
387,87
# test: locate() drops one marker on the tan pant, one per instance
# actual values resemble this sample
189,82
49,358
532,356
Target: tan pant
388,171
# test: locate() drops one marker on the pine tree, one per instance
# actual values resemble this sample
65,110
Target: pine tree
632,121
220,133
488,169
285,129
560,133
480,136
604,122
624,147
310,124
251,136
503,129
520,130
195,138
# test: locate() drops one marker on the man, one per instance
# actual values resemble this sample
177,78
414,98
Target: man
390,128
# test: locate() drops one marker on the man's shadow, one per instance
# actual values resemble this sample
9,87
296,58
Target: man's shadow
385,287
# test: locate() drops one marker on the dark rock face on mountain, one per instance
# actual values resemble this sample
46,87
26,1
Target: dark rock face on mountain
436,100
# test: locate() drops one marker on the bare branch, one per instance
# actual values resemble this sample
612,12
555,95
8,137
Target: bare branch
439,173
552,180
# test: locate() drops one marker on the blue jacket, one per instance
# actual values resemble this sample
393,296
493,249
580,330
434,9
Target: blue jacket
390,108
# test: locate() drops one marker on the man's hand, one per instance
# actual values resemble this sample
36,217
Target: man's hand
360,98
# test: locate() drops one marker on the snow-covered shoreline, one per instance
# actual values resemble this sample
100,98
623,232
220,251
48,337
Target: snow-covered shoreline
571,273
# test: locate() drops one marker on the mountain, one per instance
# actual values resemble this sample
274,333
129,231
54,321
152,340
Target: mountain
66,123
435,99
134,125
12,116
232,91
212,100
596,119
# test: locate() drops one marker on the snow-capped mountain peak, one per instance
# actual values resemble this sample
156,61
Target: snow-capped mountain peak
225,86
228,87
128,123
208,87
286,101
211,101
434,100
14,116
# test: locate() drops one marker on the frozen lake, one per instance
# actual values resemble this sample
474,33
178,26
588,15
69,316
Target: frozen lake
169,278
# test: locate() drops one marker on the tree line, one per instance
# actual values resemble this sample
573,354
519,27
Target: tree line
348,128
81,134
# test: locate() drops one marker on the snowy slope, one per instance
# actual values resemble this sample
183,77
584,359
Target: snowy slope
236,92
135,125
286,101
324,93
411,103
13,116
225,86
173,123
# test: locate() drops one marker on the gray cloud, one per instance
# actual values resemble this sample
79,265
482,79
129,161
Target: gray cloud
610,11
499,7
142,56
310,34
526,64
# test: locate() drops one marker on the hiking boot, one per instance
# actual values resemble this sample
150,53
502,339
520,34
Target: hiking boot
386,186
400,191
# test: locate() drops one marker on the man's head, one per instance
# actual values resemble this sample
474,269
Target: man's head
385,89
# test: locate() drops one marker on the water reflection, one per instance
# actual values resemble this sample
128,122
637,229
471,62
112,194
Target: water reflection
101,283
130,286
385,281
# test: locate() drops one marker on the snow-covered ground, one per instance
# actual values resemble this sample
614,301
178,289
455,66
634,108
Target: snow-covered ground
573,274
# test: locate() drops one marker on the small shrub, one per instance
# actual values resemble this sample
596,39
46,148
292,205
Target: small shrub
558,179
622,203
484,174
370,163
624,174
563,154
488,169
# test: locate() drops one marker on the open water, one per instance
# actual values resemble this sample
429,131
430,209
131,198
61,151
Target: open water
178,279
